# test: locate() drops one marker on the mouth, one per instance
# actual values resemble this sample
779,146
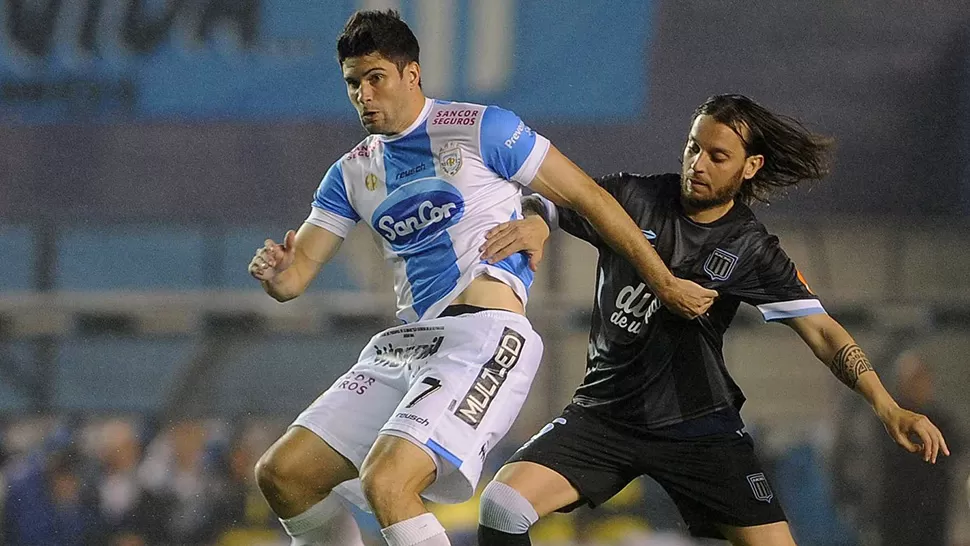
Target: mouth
694,183
368,116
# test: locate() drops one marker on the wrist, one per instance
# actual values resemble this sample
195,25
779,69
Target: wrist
884,407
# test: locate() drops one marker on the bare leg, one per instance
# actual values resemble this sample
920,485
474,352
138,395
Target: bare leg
299,470
393,476
772,534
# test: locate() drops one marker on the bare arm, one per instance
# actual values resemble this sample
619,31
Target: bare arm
835,347
286,269
566,185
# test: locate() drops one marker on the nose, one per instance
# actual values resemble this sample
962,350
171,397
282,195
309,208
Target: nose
698,164
364,93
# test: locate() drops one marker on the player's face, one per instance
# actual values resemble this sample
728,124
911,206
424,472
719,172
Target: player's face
715,164
379,91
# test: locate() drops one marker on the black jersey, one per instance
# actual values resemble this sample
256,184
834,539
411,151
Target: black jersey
647,366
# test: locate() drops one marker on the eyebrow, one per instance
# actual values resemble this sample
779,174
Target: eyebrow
690,138
364,75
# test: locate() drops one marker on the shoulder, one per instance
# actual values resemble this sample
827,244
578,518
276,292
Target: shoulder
754,235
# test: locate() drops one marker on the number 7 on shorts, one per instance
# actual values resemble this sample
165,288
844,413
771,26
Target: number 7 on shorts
433,384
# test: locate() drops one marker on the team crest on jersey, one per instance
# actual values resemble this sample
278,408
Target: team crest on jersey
449,158
371,182
720,264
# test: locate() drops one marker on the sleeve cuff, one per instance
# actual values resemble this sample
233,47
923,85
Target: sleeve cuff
332,222
530,167
790,309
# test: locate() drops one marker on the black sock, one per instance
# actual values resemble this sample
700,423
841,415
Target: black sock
491,537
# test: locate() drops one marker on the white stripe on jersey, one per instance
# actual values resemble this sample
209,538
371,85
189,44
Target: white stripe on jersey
431,193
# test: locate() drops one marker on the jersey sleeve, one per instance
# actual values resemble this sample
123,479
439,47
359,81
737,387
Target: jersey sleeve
331,207
509,147
775,286
576,225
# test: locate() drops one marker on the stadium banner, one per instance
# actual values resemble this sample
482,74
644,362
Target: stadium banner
105,61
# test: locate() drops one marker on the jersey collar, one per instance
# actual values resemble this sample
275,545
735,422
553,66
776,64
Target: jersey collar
428,103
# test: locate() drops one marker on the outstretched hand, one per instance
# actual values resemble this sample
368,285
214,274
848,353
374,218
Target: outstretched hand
527,235
273,258
905,426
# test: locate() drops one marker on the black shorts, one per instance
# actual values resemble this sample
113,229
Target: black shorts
712,479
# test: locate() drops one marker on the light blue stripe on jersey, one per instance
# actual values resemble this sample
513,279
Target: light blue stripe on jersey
506,141
433,270
518,265
408,158
793,313
331,196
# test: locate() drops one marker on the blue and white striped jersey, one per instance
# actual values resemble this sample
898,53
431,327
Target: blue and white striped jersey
431,193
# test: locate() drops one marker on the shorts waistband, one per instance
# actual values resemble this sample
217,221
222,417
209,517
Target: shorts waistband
463,309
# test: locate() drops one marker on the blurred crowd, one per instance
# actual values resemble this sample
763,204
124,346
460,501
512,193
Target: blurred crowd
129,481
123,481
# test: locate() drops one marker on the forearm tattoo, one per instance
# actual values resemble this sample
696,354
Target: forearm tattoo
849,363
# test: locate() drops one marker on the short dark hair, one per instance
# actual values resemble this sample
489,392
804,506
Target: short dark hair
381,32
792,153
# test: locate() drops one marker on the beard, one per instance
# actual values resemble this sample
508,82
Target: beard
720,196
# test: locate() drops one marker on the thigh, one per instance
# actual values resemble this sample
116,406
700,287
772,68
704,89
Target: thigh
716,482
596,460
303,457
771,534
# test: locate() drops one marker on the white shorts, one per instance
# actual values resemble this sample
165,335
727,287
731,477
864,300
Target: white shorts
452,386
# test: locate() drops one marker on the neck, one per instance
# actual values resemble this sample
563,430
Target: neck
411,112
708,214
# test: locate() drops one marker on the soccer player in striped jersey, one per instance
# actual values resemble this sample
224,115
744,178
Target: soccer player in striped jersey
419,411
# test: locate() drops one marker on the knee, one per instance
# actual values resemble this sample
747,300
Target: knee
268,474
382,487
504,509
275,476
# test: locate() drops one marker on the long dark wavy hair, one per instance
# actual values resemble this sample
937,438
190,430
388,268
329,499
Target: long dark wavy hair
792,153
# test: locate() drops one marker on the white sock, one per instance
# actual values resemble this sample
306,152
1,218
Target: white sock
423,530
326,523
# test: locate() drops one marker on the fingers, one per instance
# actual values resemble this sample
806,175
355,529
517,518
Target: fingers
496,251
905,442
502,244
289,240
929,447
497,230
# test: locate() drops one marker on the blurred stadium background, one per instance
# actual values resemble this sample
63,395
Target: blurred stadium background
149,146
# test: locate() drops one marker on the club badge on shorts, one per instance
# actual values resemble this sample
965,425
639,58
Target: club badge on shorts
760,488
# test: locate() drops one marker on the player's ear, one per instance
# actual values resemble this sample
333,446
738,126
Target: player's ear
412,73
752,164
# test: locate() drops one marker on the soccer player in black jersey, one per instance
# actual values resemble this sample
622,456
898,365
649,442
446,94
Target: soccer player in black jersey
657,398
